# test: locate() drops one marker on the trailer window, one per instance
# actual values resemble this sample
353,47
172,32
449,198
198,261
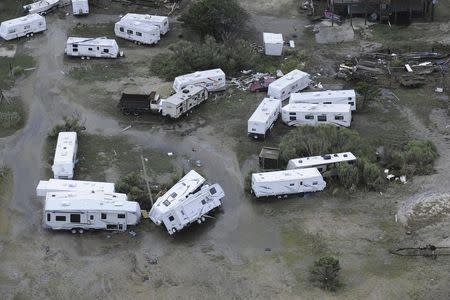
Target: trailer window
212,190
350,98
322,118
171,218
173,195
315,182
75,218
75,49
339,117
121,29
106,50
138,33
309,117
90,49
121,216
12,30
26,27
91,217
301,182
48,217
292,113
352,103
293,118
166,203
327,103
291,184
130,31
60,218
103,216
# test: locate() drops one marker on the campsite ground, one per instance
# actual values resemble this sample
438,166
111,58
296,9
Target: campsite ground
253,249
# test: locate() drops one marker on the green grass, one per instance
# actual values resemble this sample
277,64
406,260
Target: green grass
12,117
100,70
22,61
10,9
6,185
89,30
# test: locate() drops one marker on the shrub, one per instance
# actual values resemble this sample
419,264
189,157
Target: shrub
134,186
325,273
218,18
72,123
370,176
17,71
348,176
368,91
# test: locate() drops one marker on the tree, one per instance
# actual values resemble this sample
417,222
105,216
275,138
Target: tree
219,18
368,91
324,273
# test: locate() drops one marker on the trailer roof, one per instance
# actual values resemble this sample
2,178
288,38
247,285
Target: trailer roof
199,75
286,175
289,78
21,20
138,24
73,185
76,201
273,38
305,162
265,109
323,95
145,18
184,94
317,108
65,147
99,41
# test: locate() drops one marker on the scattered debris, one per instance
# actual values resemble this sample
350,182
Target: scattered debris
439,90
126,128
170,153
132,233
198,163
427,251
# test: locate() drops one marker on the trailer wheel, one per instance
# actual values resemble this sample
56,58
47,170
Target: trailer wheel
82,57
28,35
80,231
74,231
203,219
31,34
199,221
87,57
174,230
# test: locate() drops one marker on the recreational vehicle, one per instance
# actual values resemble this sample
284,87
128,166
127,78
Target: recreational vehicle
92,47
80,7
313,114
180,103
60,185
320,162
264,117
326,97
212,80
292,82
23,26
282,183
65,155
179,213
136,31
77,211
273,43
41,7
161,22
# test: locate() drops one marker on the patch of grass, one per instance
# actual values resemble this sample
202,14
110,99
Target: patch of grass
99,70
6,185
93,30
9,64
10,9
12,116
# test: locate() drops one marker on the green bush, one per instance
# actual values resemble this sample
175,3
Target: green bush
134,186
347,175
71,123
368,91
325,273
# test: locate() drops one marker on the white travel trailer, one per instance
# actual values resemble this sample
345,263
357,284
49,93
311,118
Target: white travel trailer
60,185
136,31
273,43
92,47
65,155
40,7
179,213
23,26
282,183
180,103
161,22
212,80
264,117
292,82
320,162
313,114
326,97
82,211
80,7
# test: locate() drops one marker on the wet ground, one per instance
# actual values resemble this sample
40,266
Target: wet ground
251,250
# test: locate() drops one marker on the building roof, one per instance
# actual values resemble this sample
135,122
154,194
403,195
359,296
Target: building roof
317,108
307,162
273,38
73,185
290,77
76,201
199,75
184,94
65,147
265,109
322,95
286,175
21,20
150,19
270,153
100,41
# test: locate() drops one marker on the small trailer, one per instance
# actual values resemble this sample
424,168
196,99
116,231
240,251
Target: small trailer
283,183
139,103
65,155
80,7
273,43
41,7
23,26
92,47
326,97
264,117
136,31
161,22
79,211
60,185
212,80
297,114
320,162
292,82
180,103
181,212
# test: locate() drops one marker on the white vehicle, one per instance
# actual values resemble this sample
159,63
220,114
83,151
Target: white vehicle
65,155
40,7
313,114
320,162
60,185
136,31
264,117
23,26
273,43
180,103
81,211
292,82
212,80
282,183
80,7
179,213
161,22
326,97
92,47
